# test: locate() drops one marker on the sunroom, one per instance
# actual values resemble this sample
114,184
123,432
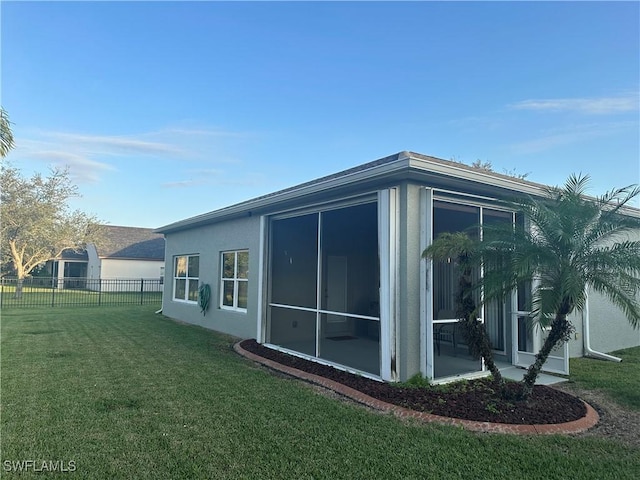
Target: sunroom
336,277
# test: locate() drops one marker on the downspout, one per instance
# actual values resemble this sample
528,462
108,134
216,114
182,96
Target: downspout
588,351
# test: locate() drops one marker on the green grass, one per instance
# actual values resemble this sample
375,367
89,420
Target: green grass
128,394
63,297
621,381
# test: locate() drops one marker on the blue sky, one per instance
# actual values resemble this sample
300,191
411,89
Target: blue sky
165,110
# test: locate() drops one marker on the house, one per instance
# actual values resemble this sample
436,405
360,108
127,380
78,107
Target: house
124,253
331,270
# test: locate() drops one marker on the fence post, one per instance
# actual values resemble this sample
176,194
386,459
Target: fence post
1,290
53,294
99,291
141,291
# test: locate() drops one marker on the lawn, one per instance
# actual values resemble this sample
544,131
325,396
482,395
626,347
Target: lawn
124,393
621,381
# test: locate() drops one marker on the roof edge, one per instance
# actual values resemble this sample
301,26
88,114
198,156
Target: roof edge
376,168
404,160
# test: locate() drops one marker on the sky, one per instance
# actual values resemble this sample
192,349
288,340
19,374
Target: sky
166,110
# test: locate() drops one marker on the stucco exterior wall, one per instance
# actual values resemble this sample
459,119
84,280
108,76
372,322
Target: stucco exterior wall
609,329
130,269
209,242
408,328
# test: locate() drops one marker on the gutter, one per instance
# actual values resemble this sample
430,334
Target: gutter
588,351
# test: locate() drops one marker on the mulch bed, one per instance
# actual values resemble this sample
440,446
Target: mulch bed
469,400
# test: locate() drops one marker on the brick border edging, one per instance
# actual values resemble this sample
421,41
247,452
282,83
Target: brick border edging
576,426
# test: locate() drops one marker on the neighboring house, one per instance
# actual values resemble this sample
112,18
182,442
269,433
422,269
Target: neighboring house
331,270
124,253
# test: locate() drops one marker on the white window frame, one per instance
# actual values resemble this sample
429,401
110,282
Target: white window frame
188,279
235,279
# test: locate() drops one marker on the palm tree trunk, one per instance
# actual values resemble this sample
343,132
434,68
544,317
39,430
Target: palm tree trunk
487,355
475,332
560,331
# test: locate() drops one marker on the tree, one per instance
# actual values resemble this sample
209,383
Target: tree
483,165
37,224
573,243
464,250
6,135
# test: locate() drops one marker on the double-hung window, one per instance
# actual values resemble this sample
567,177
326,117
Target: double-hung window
186,274
234,281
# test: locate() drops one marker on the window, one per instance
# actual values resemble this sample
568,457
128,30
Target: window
235,279
186,273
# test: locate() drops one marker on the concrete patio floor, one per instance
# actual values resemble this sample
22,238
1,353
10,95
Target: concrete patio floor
515,373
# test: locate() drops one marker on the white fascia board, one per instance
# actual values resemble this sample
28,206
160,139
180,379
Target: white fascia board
484,178
492,179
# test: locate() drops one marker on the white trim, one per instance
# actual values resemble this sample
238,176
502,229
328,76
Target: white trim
293,307
190,302
468,199
319,253
388,250
260,307
326,206
553,364
186,278
464,172
236,282
324,312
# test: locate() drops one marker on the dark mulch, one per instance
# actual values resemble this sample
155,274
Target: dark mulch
470,400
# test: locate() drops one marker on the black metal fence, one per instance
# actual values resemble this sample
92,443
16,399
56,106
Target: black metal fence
75,291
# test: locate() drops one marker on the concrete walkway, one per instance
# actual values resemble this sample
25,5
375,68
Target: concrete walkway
516,373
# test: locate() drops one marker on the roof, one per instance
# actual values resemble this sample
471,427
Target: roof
71,254
130,243
400,166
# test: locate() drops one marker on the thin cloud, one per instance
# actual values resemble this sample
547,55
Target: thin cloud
208,132
575,134
117,144
473,123
592,106
80,167
89,156
220,178
182,184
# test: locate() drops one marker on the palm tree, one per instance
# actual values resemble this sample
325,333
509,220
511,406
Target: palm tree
573,243
464,250
6,136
